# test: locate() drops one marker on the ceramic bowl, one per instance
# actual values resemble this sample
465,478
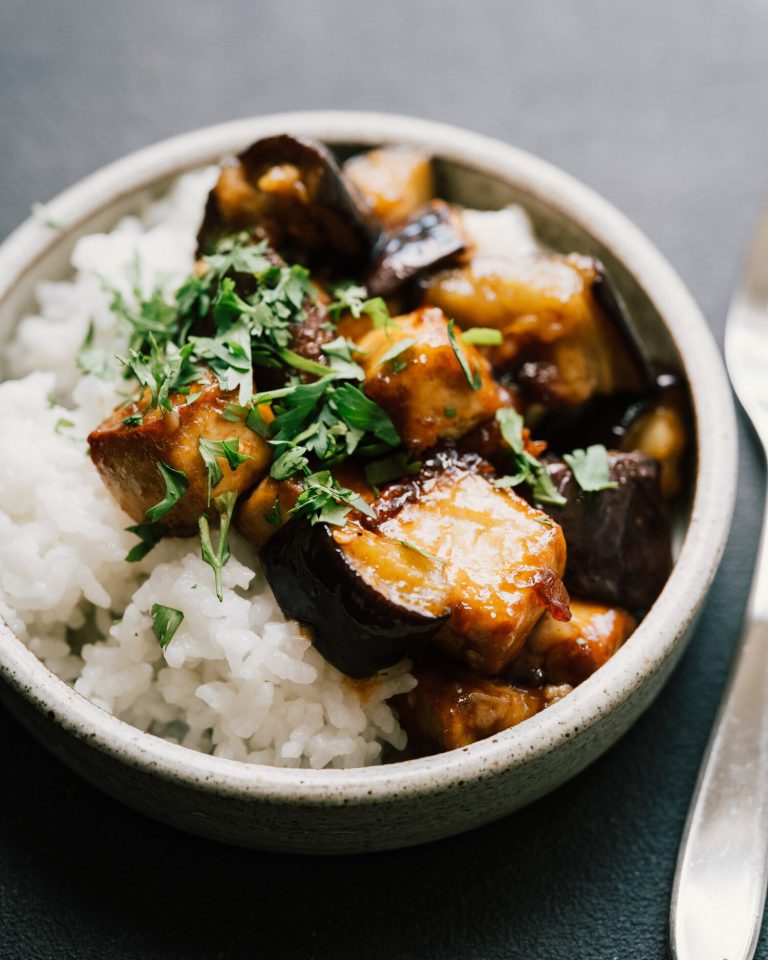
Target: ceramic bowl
412,801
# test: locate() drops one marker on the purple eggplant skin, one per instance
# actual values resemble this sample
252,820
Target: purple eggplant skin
355,628
608,419
430,239
329,225
619,548
611,303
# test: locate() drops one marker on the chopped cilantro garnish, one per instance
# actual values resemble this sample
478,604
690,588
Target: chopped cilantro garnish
473,379
165,622
591,468
359,412
134,420
217,559
527,468
149,535
63,424
213,450
176,484
91,360
274,518
324,500
482,336
421,553
292,461
400,347
352,298
450,411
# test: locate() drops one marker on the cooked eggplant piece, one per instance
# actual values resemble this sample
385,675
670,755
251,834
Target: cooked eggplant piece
127,456
618,540
566,334
452,706
370,599
656,425
413,372
293,189
569,652
427,241
394,181
503,560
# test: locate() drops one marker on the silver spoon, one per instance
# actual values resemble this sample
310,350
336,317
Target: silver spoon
722,869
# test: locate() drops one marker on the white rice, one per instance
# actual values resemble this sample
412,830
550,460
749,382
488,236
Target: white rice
237,680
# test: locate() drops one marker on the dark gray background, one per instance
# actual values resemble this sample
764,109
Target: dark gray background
660,106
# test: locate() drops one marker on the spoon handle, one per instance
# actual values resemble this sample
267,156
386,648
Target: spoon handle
722,869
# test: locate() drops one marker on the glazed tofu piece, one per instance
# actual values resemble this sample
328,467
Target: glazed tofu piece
127,455
413,372
452,706
395,181
569,652
502,559
564,330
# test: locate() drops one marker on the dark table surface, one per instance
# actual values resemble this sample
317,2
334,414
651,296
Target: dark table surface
661,107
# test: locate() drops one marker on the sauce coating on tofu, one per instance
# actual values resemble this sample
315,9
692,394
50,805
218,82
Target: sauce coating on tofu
569,652
127,456
452,706
503,561
412,371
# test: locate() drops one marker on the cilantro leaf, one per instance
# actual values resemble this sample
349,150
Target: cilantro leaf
212,450
324,500
165,622
352,298
217,558
92,361
359,412
287,464
482,336
400,347
149,535
473,379
176,484
511,424
527,468
421,553
63,424
591,468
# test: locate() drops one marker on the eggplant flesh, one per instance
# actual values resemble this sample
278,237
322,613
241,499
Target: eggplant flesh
394,181
370,601
566,333
619,545
427,241
293,189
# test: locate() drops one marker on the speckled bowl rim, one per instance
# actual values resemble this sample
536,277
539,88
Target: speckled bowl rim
657,637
